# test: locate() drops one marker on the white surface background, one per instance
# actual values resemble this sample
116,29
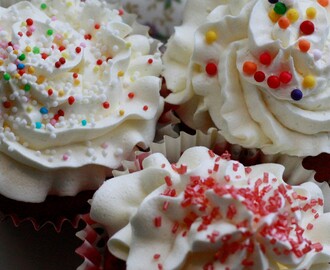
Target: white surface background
23,248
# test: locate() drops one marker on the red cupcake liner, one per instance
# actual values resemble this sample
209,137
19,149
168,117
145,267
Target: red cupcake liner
94,250
55,211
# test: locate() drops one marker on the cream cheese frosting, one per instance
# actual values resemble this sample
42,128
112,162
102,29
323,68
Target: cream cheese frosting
256,70
79,84
209,212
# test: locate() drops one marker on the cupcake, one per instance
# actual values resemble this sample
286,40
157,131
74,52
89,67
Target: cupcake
80,93
209,212
256,70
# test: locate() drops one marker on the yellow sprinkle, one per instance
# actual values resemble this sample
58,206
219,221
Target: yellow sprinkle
120,73
5,125
28,49
76,82
61,93
41,79
29,109
132,79
30,70
128,45
121,112
1,62
69,4
273,16
311,12
211,36
17,76
292,14
15,52
23,24
96,69
65,35
309,81
197,68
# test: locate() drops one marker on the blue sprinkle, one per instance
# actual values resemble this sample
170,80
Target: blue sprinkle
38,125
296,94
43,110
84,122
20,66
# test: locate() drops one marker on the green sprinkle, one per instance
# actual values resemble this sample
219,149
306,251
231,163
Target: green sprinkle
6,77
22,57
27,87
50,32
43,6
84,122
280,8
36,50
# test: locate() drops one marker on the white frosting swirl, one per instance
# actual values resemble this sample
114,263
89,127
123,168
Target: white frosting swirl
79,83
209,212
255,70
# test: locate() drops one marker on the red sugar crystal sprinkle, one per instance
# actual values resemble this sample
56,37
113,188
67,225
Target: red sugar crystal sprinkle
156,256
165,205
216,167
211,153
168,181
158,222
309,226
235,167
175,227
181,170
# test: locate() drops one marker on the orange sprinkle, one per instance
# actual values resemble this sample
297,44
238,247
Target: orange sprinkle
249,67
283,22
304,45
323,3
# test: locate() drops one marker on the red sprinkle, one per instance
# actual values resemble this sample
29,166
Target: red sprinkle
285,77
265,58
259,76
273,82
75,75
44,56
307,27
106,105
97,26
131,95
62,60
211,69
61,48
71,100
150,61
50,92
78,49
88,36
120,12
58,64
29,21
6,104
145,107
60,112
99,62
